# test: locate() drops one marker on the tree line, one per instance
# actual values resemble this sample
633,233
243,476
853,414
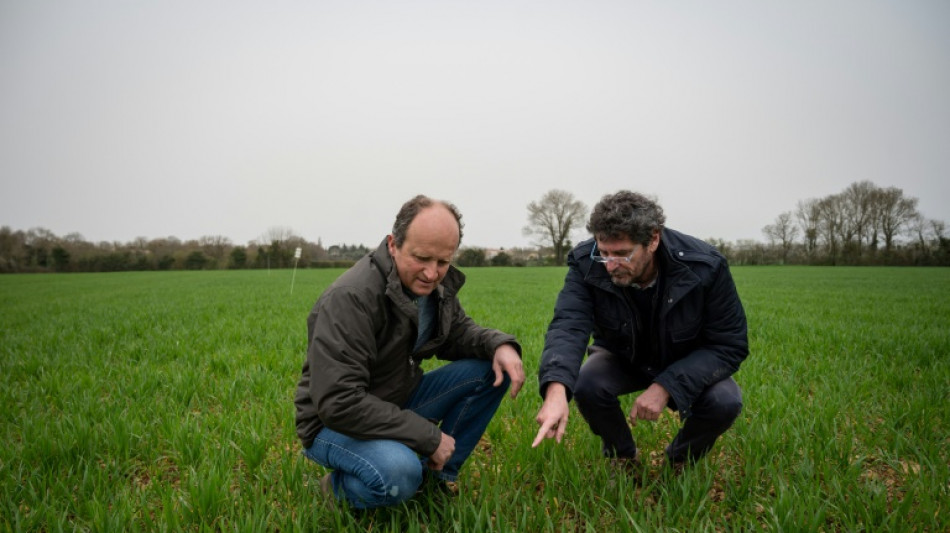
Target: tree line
39,250
862,225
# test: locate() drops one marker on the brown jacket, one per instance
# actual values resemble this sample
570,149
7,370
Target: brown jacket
360,368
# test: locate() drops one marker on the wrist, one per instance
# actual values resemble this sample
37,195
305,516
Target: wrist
660,389
555,390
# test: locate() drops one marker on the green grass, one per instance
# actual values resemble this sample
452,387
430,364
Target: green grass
163,401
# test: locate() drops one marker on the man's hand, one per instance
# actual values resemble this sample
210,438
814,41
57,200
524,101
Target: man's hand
443,453
553,414
650,404
506,361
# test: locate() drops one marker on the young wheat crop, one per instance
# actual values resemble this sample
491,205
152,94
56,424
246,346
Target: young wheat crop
163,401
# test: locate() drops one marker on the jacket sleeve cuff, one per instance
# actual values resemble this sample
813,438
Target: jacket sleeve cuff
507,340
430,443
568,388
682,403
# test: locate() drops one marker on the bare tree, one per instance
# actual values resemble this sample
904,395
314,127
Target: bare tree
858,204
895,213
278,246
216,246
808,216
939,228
279,234
926,236
553,218
830,220
783,232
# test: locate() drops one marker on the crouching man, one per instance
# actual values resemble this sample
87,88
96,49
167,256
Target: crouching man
364,408
665,319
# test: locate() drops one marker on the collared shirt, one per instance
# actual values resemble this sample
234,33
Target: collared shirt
427,312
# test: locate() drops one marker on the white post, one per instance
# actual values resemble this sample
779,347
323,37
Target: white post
292,279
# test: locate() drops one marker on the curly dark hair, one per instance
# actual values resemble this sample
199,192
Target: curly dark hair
412,208
626,214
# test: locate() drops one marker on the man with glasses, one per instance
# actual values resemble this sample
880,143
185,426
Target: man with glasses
655,310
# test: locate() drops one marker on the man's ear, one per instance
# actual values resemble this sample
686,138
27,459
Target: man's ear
391,244
655,241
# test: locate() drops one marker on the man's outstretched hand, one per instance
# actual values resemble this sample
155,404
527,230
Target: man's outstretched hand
553,414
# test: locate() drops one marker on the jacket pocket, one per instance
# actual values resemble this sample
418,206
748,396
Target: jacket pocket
614,334
611,326
685,332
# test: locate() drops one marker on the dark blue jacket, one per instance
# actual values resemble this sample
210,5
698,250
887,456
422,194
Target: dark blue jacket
702,333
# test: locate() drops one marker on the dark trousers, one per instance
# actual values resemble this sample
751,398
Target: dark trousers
604,377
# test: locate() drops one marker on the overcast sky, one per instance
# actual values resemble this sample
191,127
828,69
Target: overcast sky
125,119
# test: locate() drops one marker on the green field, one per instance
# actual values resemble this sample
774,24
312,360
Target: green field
163,401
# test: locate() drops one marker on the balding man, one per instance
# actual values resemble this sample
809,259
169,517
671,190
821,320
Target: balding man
365,410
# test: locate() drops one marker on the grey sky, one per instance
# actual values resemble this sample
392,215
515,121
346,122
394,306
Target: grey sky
128,119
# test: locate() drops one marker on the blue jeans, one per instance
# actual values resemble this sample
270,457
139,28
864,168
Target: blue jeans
604,377
375,473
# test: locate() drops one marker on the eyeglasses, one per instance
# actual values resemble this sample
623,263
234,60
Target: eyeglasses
608,259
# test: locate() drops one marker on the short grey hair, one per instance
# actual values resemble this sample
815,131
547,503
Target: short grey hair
626,214
412,208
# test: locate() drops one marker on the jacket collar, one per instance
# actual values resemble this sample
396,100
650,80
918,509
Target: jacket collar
678,276
594,272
